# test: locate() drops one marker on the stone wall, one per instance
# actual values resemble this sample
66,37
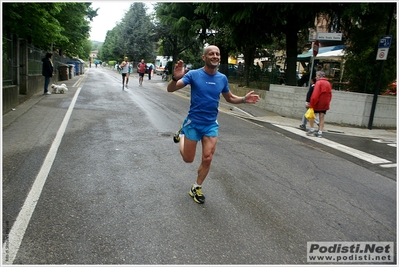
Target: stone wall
347,108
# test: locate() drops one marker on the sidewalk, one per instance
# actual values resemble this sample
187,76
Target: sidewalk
19,110
388,135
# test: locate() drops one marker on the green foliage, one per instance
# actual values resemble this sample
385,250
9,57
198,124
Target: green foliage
112,63
365,24
246,27
180,28
75,19
63,26
109,50
133,37
86,48
96,45
33,21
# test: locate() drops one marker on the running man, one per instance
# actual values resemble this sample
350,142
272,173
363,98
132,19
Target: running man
201,123
141,67
125,72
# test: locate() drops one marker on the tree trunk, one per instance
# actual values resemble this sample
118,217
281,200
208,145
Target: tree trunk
249,52
291,43
224,62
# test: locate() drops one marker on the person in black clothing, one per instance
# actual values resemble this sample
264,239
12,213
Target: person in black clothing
47,71
150,68
308,96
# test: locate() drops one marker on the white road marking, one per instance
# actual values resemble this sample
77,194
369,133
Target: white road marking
15,236
393,165
388,142
348,150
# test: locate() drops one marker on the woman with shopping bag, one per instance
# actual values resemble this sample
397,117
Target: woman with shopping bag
319,102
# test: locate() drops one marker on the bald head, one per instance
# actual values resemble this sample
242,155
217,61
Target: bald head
209,48
211,58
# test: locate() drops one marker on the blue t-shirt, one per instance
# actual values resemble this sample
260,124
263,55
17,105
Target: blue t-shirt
205,94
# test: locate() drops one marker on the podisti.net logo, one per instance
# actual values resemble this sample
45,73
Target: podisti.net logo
351,252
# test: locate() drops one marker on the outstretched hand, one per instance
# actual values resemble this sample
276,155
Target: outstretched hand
179,70
251,98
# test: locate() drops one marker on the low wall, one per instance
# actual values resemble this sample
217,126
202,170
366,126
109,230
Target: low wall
10,97
346,108
11,94
36,84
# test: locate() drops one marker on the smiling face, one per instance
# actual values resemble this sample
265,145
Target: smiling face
211,57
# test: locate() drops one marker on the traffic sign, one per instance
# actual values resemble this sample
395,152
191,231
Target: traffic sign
385,41
312,35
382,53
329,36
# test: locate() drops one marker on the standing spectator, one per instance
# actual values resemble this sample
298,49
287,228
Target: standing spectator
141,67
320,102
125,73
150,68
240,69
130,70
308,96
201,124
47,71
257,71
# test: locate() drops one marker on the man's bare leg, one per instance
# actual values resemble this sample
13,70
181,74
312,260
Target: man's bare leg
187,149
208,149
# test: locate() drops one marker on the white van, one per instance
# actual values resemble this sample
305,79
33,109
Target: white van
160,64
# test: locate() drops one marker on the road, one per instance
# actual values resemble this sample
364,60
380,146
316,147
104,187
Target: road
93,177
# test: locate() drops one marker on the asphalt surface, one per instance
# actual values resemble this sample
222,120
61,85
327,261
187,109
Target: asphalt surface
116,192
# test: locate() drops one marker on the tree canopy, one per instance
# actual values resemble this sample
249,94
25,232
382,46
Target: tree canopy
133,37
181,29
364,24
63,26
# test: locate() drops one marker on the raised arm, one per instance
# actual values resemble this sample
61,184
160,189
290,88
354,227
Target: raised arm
249,98
176,83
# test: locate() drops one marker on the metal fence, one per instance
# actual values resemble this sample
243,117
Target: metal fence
34,56
8,55
35,60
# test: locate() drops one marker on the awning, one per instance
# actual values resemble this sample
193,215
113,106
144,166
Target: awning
332,55
322,50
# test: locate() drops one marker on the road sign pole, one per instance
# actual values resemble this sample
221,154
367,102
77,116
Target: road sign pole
376,92
377,87
311,72
315,52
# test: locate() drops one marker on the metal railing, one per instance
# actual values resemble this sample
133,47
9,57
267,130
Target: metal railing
35,60
34,56
8,55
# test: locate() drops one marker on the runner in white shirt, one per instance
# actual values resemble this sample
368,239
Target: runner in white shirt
125,72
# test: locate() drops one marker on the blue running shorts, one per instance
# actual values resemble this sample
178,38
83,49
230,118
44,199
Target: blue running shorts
195,132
